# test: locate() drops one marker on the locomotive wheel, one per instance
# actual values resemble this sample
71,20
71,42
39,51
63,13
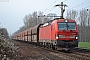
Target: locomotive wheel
54,47
41,44
38,44
47,45
44,44
51,46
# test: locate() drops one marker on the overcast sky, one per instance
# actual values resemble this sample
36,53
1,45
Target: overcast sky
12,12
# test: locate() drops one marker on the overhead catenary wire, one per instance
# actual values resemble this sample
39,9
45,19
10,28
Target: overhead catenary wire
83,3
49,6
80,4
48,10
86,7
69,8
64,0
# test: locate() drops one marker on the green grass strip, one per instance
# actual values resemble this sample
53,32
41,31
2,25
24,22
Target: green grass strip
85,45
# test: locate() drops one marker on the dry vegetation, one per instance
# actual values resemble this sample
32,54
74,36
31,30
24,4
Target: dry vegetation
7,50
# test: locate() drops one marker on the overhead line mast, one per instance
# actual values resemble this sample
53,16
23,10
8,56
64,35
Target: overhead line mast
62,6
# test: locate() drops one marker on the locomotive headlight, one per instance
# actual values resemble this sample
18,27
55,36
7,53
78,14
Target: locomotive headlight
57,36
76,37
66,20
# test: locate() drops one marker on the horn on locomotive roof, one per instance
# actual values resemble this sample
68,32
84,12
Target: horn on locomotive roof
62,6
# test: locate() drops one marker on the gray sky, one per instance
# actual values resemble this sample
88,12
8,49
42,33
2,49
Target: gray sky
12,12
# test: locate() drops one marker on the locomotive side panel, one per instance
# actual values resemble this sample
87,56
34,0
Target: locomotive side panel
54,29
45,33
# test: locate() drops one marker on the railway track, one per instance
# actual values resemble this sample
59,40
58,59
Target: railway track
66,56
83,55
71,55
81,49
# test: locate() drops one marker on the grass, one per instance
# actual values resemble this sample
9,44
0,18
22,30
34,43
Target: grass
85,45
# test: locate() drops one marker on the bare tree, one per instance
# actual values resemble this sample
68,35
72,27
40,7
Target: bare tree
39,18
83,17
30,20
25,20
84,25
88,11
72,14
51,16
48,17
4,32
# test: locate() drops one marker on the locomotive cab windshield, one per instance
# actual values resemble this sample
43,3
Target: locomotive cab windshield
66,26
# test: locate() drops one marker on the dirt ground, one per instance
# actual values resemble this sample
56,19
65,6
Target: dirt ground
31,52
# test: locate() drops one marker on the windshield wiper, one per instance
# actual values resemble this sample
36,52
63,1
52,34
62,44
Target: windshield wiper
64,29
69,28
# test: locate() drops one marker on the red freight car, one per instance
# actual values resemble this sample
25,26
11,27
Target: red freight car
35,33
29,35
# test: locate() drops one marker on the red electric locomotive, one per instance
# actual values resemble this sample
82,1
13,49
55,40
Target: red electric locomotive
59,33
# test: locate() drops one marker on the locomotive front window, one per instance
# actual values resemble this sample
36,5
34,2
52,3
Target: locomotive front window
61,26
72,26
67,26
